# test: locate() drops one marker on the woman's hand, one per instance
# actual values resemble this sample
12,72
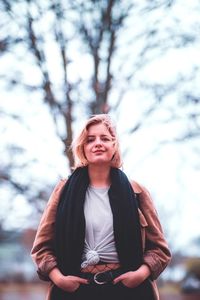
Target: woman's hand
70,283
67,283
133,279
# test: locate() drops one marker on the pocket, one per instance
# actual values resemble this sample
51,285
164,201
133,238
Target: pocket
78,288
124,286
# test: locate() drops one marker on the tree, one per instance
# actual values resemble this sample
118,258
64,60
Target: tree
34,40
117,44
26,18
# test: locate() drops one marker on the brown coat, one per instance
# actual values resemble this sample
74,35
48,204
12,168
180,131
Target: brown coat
156,253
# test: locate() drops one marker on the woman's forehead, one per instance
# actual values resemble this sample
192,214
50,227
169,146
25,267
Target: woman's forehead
99,129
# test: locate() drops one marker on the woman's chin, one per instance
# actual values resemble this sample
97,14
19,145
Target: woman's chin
100,162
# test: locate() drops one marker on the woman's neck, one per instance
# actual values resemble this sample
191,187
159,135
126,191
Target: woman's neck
99,176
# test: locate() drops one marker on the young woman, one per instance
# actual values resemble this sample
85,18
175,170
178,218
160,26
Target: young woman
99,236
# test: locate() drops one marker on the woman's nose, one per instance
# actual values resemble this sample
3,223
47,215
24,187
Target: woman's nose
98,142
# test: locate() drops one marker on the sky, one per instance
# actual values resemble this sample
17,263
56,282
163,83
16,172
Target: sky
171,172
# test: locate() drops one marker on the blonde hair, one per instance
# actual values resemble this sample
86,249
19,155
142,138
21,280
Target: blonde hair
78,143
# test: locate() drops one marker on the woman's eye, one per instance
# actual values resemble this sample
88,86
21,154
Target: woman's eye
103,139
89,141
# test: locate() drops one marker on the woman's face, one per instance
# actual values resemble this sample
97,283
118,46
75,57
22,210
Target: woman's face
99,147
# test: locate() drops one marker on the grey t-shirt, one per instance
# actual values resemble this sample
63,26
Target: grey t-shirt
99,236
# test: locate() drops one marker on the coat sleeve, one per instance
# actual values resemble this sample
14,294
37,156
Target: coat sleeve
42,251
156,253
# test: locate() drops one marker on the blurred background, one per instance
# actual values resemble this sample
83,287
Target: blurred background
62,61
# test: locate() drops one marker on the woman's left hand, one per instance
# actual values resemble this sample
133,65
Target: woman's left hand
132,279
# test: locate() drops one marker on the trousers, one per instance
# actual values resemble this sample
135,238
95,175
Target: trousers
106,292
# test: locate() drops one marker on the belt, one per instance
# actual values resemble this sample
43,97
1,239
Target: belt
102,277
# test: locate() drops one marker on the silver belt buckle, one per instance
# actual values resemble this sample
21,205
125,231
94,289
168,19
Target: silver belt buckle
96,280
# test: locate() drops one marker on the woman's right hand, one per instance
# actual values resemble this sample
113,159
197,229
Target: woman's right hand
70,283
67,283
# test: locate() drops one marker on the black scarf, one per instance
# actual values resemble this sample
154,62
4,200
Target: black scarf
70,222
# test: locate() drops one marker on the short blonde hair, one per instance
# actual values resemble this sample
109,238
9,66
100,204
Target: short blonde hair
78,143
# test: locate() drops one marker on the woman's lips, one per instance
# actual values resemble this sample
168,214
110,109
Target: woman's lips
99,152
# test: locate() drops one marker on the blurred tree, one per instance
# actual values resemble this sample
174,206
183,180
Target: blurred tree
34,32
86,57
96,22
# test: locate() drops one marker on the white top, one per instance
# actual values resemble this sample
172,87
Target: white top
99,236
